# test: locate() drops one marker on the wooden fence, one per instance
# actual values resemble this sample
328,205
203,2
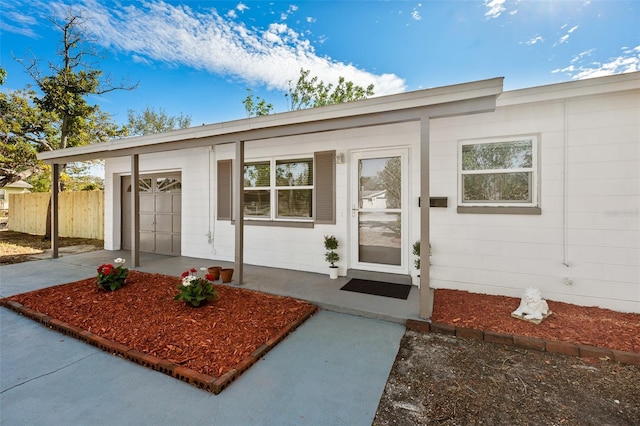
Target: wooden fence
81,214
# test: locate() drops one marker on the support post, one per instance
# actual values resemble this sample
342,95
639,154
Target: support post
426,292
238,212
55,187
135,210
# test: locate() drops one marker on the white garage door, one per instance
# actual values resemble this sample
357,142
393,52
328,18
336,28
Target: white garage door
160,215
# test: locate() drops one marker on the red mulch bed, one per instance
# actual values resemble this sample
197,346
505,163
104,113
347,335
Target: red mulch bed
143,315
569,323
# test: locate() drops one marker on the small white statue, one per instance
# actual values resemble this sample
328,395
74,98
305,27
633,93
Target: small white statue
532,306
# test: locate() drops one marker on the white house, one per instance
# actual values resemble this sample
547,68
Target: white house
19,187
537,187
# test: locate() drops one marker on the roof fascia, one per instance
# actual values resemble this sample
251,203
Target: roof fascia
588,87
446,101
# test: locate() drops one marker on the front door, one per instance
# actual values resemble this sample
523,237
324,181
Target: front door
379,205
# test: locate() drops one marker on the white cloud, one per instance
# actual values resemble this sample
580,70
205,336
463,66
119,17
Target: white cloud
629,61
177,35
415,14
494,8
17,23
565,37
242,7
232,14
534,40
285,15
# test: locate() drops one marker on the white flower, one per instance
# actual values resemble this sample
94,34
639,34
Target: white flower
186,281
120,260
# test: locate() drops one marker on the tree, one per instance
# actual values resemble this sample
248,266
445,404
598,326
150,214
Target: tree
63,94
256,107
151,121
311,93
25,130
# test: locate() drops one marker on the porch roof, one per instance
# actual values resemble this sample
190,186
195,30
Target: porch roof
410,106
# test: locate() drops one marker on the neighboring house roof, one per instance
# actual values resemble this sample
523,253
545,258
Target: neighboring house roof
374,194
19,185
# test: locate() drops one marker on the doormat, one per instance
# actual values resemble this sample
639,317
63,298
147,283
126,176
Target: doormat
378,288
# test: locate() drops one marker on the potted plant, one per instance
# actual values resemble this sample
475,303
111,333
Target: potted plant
111,278
196,290
331,244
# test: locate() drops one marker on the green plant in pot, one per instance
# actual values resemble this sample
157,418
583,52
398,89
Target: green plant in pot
331,245
111,278
196,289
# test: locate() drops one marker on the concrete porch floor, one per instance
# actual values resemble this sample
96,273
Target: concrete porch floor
312,287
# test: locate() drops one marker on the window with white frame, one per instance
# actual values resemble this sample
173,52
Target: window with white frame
498,172
279,189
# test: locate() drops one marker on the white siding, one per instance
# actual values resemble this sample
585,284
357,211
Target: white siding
598,236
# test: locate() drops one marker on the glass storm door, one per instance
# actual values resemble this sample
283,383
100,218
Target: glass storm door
379,211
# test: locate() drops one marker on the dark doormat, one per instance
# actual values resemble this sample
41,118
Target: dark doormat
378,288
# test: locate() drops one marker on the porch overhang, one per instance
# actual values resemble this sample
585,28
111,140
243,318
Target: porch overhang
419,106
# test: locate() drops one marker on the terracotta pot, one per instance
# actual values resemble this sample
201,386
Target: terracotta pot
215,271
226,274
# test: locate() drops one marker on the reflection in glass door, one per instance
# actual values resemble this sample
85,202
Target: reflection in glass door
379,212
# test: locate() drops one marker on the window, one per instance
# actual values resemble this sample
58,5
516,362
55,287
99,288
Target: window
286,192
144,185
498,172
279,189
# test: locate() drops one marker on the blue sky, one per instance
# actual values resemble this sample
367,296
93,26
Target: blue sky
199,57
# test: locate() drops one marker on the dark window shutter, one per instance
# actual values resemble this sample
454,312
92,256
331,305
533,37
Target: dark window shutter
225,190
324,186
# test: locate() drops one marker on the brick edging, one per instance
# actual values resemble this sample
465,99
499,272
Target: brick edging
200,380
534,343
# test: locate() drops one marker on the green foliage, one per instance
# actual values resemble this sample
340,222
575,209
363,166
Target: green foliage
416,252
331,244
256,107
195,289
77,177
111,278
500,156
309,92
151,121
25,131
58,116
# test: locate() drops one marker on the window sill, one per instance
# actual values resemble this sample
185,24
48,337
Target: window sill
499,210
280,223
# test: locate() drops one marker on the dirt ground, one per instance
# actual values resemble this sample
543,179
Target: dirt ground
442,380
17,247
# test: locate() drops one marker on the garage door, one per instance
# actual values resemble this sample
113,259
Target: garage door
160,216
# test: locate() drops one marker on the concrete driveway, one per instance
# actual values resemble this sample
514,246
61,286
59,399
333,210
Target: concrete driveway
331,371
